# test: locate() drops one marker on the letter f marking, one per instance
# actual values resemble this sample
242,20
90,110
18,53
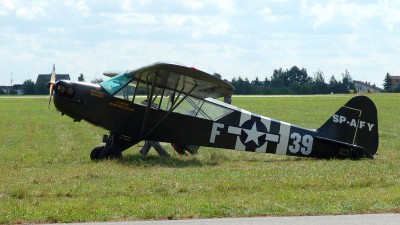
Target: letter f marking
215,131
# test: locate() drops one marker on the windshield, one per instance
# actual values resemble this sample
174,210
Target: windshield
114,84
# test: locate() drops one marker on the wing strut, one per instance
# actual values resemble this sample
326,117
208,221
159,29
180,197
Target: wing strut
149,98
137,85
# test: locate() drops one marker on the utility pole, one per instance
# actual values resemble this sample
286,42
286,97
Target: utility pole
9,89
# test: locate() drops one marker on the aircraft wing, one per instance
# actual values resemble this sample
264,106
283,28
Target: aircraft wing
184,79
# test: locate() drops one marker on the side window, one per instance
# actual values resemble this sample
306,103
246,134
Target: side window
213,111
126,93
202,109
157,98
189,106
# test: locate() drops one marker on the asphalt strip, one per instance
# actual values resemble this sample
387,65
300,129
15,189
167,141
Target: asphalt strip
363,219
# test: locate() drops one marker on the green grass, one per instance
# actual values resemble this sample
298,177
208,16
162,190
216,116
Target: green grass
46,174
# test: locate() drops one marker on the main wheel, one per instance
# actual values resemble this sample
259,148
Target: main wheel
110,152
95,153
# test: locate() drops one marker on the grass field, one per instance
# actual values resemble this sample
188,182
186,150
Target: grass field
46,174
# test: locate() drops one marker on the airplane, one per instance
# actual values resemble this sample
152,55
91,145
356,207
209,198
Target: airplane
174,103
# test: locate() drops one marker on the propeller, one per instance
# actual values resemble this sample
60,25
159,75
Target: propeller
52,83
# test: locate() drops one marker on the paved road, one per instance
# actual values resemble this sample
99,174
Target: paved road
366,219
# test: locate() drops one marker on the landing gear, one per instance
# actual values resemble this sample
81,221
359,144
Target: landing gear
105,152
115,145
110,152
180,149
95,154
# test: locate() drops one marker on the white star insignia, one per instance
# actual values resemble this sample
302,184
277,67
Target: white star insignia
253,134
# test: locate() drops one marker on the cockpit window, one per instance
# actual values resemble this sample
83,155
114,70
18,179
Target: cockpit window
121,86
114,84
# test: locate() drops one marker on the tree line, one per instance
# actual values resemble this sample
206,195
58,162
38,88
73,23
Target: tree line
289,81
293,81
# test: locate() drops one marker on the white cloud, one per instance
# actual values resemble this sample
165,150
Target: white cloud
82,7
29,13
333,11
227,6
175,20
391,14
266,13
8,5
131,18
79,6
212,26
22,10
130,6
269,17
193,4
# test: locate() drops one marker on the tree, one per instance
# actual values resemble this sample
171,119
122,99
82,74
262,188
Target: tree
28,87
387,83
277,79
333,85
257,82
266,82
319,85
347,82
81,78
242,86
297,76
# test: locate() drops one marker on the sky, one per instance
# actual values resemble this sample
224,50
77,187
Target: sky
230,37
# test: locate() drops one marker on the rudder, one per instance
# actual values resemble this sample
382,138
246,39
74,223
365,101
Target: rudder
355,123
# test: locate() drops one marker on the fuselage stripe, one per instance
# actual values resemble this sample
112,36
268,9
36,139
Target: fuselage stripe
284,131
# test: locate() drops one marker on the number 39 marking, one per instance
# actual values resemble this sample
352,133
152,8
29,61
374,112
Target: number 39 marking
303,144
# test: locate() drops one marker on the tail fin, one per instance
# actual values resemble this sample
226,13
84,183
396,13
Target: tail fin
355,123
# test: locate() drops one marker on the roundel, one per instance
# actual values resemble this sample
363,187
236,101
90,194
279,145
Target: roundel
253,133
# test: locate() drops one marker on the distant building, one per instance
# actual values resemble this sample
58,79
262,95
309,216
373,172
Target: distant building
366,87
395,82
16,89
45,78
5,90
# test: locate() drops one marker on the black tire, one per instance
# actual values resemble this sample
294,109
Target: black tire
95,153
192,149
110,152
180,149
